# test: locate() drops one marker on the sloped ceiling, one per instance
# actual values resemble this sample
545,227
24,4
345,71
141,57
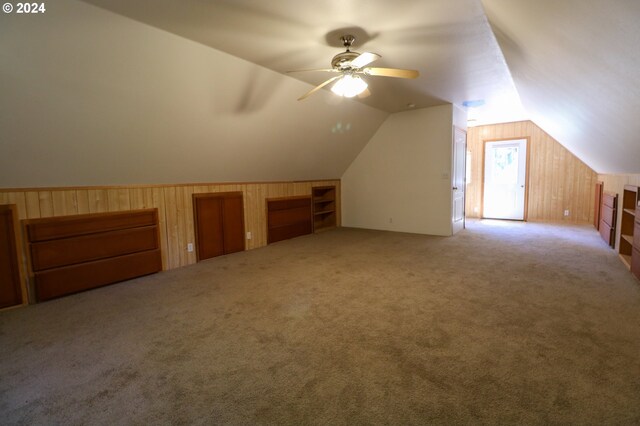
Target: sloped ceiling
195,90
449,42
576,65
89,97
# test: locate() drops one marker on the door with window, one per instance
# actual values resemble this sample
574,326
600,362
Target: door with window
505,171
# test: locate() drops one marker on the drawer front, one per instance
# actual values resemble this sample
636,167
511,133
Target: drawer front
635,262
72,226
609,200
606,232
71,279
608,215
636,234
288,203
69,251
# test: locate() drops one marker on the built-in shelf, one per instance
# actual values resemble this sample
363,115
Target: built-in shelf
630,211
324,208
626,259
627,238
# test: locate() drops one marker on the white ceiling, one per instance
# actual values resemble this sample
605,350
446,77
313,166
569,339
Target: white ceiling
449,42
575,63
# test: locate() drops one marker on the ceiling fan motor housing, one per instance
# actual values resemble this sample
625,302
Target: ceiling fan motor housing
343,60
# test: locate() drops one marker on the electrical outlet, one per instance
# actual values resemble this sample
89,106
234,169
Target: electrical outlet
190,247
566,212
476,209
249,235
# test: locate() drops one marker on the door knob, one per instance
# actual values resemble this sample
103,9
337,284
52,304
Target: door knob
455,188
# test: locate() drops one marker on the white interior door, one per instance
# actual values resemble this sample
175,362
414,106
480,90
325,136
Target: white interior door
505,166
459,174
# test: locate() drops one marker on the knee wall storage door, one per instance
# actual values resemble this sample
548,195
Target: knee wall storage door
219,222
10,286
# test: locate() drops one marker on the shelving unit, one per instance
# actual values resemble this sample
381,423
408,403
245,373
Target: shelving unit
628,223
324,208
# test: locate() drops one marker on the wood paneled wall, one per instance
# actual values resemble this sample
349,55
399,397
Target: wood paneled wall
174,204
616,183
558,180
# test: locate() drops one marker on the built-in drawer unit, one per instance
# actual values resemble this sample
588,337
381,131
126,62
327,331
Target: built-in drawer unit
74,253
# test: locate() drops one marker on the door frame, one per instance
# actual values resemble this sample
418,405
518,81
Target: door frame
223,195
526,174
464,178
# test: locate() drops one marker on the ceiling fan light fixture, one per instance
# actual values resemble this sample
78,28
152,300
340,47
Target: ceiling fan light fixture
349,86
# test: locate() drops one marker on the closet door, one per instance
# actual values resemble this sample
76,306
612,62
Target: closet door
10,292
209,231
219,222
233,224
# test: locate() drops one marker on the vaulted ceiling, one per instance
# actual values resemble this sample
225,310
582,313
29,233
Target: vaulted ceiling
570,65
141,91
576,65
449,42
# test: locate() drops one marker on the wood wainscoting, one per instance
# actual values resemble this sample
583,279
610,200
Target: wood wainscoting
174,204
558,180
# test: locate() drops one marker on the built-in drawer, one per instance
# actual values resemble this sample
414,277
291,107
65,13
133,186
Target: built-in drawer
635,262
609,199
608,215
636,231
606,232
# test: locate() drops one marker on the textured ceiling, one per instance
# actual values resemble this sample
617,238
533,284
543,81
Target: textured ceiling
449,42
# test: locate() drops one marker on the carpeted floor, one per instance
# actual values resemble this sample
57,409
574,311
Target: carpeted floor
505,323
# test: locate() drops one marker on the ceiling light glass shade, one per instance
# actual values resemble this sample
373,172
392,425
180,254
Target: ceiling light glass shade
349,86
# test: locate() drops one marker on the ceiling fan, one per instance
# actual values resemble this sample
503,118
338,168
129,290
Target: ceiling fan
350,65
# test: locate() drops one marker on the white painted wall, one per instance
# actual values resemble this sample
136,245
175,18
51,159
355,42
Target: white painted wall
88,97
404,175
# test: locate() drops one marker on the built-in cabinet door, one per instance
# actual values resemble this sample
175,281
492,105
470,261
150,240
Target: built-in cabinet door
209,231
233,224
219,223
10,292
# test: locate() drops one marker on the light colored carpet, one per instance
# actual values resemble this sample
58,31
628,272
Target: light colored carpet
503,323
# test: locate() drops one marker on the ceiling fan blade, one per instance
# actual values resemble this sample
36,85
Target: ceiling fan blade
313,70
392,72
315,89
365,59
